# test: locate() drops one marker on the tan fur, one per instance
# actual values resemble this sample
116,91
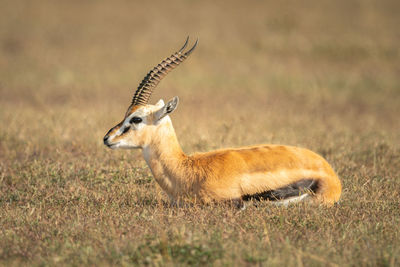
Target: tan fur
223,174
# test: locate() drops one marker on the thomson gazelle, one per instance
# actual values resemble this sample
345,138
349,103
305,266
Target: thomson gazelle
277,173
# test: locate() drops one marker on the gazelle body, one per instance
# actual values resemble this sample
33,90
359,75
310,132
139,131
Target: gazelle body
272,172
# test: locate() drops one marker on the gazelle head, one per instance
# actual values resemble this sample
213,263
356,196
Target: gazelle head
141,118
139,125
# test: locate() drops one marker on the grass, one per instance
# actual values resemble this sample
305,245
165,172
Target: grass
317,74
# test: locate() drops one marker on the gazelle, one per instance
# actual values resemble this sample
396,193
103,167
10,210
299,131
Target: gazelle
282,174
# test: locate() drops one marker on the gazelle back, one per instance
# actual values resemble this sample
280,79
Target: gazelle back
282,174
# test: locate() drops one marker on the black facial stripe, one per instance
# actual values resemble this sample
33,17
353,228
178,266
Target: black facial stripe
126,129
295,189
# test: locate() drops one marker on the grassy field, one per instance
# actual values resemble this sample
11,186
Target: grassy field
318,74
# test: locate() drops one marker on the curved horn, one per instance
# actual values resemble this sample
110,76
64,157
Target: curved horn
151,80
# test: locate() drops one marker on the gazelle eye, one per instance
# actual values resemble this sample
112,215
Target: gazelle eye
135,120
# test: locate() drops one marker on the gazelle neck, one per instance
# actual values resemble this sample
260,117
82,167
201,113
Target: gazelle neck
165,158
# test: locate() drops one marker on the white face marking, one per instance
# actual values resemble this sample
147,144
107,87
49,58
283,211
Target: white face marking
145,113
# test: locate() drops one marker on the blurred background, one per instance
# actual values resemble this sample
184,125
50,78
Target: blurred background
265,66
318,74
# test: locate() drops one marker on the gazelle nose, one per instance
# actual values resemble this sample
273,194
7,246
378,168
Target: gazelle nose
105,139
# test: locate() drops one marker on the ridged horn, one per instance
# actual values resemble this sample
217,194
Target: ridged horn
151,80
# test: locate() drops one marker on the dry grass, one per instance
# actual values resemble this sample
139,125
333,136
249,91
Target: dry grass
317,74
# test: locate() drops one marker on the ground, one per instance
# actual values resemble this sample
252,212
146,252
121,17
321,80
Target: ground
324,75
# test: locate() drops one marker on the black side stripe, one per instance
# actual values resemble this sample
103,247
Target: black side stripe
292,190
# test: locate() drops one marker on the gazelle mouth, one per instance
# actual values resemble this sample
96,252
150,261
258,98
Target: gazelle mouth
112,146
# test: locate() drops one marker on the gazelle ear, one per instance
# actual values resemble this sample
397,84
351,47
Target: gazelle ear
166,109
